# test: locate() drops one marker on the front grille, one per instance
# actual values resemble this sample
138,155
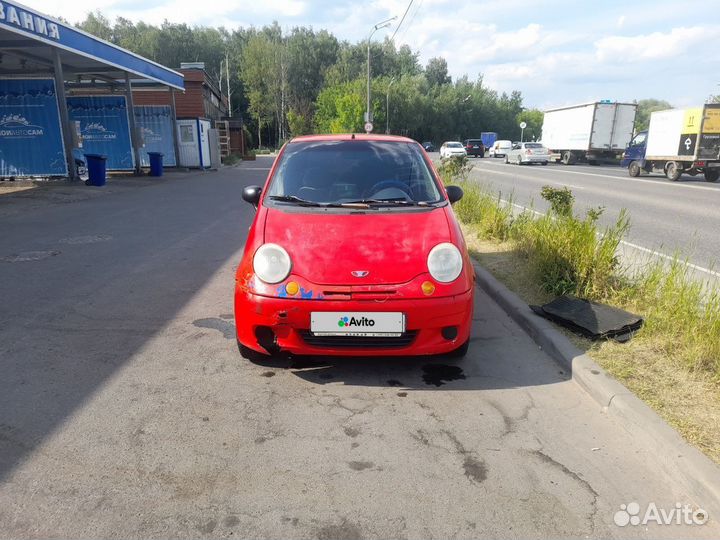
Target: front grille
352,342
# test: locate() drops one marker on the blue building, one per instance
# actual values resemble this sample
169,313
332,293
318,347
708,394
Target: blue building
42,127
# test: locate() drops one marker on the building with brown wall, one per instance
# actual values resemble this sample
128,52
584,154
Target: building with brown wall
202,98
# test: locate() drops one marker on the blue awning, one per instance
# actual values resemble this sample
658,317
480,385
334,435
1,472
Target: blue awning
30,35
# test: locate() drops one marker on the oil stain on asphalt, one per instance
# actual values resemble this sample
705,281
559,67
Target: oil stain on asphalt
227,329
439,374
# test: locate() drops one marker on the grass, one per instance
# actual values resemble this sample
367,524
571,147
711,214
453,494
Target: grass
232,159
673,362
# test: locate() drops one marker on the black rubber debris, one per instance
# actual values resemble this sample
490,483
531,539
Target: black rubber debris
592,320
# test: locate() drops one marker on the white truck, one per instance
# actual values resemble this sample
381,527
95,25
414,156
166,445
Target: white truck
588,132
678,141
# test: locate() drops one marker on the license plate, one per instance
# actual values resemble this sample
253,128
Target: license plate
357,324
476,147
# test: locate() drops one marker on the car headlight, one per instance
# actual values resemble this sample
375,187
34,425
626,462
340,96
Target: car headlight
445,262
271,263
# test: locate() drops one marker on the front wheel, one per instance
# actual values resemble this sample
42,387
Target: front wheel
519,160
634,169
251,354
461,351
507,160
672,171
544,162
712,175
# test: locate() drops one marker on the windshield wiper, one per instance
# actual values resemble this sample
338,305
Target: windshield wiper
295,199
389,200
399,201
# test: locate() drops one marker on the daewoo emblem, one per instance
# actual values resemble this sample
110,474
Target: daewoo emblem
359,273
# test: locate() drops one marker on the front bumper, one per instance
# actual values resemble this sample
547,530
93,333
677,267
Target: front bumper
288,322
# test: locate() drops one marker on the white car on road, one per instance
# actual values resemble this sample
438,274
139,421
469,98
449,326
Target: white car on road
500,148
528,152
452,148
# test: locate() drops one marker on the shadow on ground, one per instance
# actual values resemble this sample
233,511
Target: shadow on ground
123,265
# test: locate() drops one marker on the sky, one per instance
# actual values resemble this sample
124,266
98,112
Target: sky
555,52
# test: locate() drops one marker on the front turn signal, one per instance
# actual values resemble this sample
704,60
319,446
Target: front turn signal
428,288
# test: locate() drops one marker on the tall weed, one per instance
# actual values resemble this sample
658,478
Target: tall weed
573,254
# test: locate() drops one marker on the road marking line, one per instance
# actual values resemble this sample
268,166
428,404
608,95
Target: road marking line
630,244
517,175
629,179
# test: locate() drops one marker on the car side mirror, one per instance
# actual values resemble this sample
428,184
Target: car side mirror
252,194
455,193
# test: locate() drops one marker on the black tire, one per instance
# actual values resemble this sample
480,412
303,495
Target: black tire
544,163
634,169
712,175
507,161
568,158
461,351
519,160
673,171
592,162
251,354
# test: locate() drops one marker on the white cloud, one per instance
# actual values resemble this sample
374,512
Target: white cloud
178,11
658,45
517,45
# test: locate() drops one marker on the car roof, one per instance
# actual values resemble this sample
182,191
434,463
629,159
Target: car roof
353,136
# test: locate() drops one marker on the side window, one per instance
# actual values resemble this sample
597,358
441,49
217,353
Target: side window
639,140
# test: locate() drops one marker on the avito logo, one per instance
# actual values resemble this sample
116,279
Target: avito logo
352,321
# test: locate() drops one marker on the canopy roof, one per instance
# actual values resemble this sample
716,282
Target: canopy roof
27,39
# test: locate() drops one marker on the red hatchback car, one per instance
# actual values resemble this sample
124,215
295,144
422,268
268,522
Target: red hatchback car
354,250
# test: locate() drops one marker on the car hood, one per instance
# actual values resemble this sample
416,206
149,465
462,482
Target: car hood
392,246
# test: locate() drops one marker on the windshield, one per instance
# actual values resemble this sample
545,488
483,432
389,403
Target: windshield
533,145
353,171
454,145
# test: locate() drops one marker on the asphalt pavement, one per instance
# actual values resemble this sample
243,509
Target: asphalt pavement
666,217
126,410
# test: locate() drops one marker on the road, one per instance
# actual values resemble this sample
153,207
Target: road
665,216
126,410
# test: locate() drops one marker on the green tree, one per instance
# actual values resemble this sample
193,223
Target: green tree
534,120
97,24
436,72
644,108
259,76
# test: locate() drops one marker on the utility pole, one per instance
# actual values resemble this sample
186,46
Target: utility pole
378,26
387,107
227,74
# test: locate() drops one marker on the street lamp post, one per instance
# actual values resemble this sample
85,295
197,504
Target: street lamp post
378,26
387,107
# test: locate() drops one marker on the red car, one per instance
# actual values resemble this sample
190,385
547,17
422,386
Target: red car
354,250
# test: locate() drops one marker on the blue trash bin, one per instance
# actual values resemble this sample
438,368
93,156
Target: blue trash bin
96,165
156,163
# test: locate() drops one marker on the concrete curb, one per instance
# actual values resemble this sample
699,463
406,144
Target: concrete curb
700,475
